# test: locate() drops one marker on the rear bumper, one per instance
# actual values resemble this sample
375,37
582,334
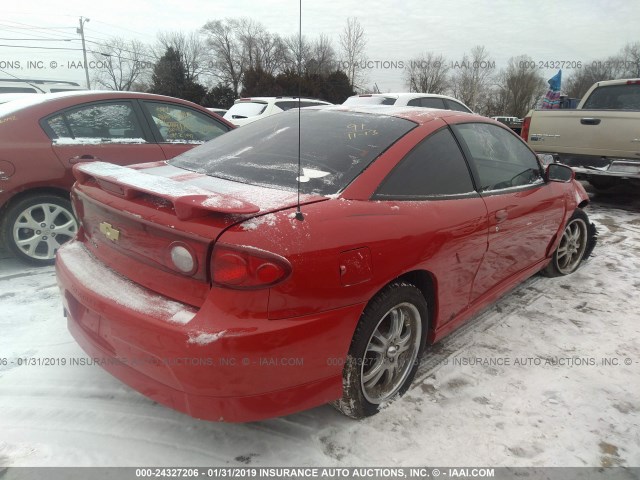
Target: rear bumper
206,363
617,170
588,167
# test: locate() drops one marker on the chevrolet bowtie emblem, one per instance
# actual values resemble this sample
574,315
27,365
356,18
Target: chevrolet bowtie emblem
109,232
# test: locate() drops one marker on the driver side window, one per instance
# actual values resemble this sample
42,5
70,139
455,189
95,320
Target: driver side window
501,159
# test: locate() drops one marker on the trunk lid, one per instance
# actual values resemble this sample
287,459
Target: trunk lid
132,218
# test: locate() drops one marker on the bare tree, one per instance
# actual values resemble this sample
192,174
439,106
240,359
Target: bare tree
631,58
626,64
427,73
583,78
192,50
473,77
323,56
353,42
299,49
495,102
226,52
521,86
125,63
261,50
238,45
251,35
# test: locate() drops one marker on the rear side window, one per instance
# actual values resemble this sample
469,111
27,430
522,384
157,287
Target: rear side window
427,102
614,97
501,159
289,104
17,90
103,122
56,90
452,105
245,110
435,168
178,124
335,148
369,100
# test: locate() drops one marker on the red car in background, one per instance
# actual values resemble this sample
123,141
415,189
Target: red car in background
43,136
198,281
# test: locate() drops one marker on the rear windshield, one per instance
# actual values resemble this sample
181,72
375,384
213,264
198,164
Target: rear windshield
18,90
614,97
371,100
336,146
245,110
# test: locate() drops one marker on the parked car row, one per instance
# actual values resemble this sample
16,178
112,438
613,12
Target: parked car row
247,110
43,136
340,240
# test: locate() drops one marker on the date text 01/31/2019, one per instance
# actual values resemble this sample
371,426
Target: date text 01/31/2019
316,472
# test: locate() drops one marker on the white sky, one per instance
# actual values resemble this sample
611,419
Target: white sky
569,30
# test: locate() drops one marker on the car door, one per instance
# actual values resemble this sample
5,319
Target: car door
109,131
178,128
524,212
448,217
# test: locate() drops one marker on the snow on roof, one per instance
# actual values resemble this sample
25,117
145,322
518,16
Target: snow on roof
142,180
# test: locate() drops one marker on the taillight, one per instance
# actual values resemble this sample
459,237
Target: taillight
247,267
633,82
524,131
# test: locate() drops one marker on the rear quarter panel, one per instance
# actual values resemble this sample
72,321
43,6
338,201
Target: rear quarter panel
26,149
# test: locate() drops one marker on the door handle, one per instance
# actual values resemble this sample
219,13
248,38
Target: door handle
590,121
501,215
83,158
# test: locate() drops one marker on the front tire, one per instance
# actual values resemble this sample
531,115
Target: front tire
34,227
577,243
384,352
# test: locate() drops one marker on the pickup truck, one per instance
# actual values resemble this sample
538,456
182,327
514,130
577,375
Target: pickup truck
514,123
600,139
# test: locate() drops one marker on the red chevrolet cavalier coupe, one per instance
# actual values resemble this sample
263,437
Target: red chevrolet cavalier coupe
198,281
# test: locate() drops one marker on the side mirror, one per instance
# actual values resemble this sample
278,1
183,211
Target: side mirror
557,172
545,159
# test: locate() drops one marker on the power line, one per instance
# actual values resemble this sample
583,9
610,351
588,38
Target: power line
119,57
18,32
41,39
38,33
126,51
54,48
123,28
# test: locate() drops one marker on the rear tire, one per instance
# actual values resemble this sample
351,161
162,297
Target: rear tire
577,243
34,227
384,352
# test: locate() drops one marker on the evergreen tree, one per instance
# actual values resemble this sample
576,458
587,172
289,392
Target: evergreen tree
168,74
169,78
221,96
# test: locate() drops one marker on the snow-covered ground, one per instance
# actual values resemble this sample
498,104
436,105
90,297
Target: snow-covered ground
550,376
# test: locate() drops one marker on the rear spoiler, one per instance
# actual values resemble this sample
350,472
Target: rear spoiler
188,201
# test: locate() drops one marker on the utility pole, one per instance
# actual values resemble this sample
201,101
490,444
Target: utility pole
84,49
